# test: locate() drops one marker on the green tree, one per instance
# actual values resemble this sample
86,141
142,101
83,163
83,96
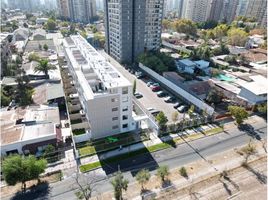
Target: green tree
237,37
64,24
162,120
100,38
50,24
221,50
23,92
143,177
248,150
49,150
44,67
45,47
191,110
213,97
183,172
33,57
262,108
167,24
185,26
220,31
5,100
162,173
119,184
134,86
230,59
239,113
18,169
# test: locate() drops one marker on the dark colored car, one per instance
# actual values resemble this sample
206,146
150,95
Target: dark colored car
156,88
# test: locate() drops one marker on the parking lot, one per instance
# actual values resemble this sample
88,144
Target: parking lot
150,98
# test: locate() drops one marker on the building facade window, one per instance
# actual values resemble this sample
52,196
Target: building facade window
115,127
114,109
125,109
125,125
115,118
125,90
114,99
124,99
125,117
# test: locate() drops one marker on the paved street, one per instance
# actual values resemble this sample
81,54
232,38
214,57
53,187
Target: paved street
149,99
174,157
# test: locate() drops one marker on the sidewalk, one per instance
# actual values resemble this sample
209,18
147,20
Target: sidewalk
154,140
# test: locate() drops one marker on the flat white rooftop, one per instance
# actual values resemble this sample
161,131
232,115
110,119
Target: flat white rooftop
258,86
85,58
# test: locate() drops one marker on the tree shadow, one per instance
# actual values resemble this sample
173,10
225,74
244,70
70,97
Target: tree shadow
229,191
262,178
40,191
249,130
232,182
167,184
148,194
168,140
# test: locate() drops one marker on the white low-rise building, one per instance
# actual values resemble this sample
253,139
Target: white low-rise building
105,95
255,92
29,130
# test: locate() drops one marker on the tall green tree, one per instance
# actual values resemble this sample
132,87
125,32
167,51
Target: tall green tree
143,177
51,24
185,26
262,108
119,184
134,86
162,173
239,113
23,92
162,120
44,67
45,47
17,169
237,37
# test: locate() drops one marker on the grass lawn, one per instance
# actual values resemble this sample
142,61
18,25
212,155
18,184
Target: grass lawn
85,151
79,131
76,121
213,131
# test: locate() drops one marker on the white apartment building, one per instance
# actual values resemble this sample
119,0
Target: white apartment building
105,95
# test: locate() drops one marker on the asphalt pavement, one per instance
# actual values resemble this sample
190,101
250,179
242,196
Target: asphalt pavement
173,157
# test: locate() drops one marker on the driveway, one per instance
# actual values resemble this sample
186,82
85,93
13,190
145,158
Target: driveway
149,99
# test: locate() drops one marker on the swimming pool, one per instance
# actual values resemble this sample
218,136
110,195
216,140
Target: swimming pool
222,77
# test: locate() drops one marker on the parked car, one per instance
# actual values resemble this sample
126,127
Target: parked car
156,88
155,84
155,112
149,83
161,93
138,95
169,99
139,74
182,108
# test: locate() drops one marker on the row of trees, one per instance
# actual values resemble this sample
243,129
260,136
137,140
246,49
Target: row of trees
159,62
